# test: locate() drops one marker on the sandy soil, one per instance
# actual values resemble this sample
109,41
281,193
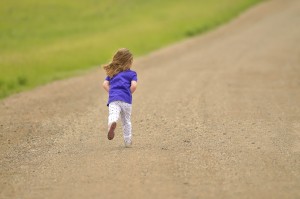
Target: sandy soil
215,116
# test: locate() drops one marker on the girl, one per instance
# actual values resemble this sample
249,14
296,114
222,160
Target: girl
120,83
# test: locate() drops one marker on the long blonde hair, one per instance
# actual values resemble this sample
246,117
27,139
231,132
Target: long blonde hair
121,61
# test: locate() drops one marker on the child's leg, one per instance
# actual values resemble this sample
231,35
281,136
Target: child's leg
114,113
125,117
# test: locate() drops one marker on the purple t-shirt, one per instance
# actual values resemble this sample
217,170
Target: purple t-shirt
119,89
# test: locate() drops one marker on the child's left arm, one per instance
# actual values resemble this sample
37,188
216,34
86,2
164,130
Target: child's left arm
133,86
106,85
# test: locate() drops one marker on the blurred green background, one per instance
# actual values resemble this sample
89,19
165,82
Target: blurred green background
42,41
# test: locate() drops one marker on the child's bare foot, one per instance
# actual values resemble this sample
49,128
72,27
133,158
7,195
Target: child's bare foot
111,131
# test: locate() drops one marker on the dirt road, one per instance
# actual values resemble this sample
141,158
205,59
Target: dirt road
215,116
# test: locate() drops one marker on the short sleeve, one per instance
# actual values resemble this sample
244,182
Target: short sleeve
134,77
107,78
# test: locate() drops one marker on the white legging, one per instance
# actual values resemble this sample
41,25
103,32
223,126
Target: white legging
116,109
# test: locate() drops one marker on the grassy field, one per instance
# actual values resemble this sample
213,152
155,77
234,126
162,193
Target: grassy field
41,41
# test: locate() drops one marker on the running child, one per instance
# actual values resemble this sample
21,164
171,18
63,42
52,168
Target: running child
120,83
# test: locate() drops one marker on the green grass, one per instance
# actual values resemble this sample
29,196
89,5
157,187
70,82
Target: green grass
41,41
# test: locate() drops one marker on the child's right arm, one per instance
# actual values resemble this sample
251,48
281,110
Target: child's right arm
106,85
133,86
